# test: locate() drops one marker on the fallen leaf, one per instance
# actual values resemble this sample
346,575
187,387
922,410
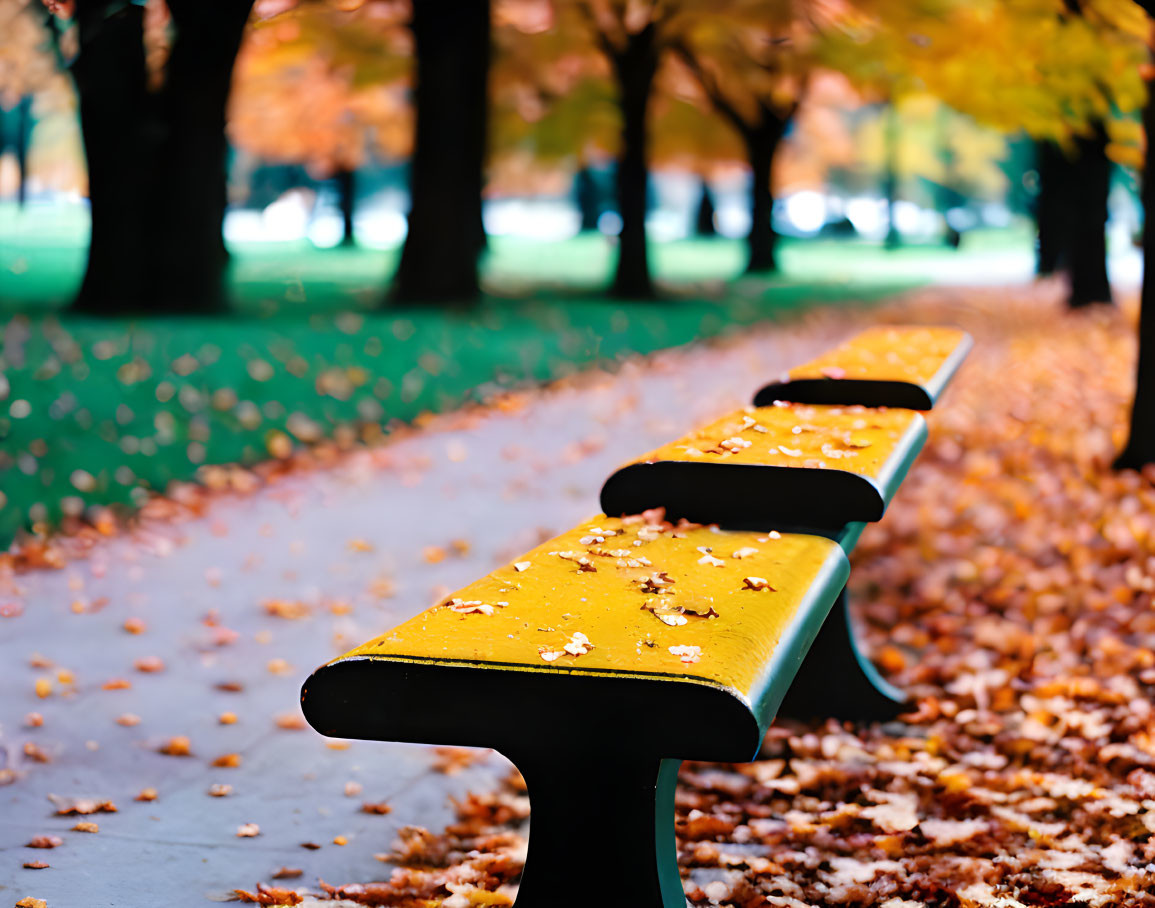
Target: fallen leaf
688,654
72,806
177,746
269,895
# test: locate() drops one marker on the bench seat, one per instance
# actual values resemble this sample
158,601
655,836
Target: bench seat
785,465
885,366
746,604
597,662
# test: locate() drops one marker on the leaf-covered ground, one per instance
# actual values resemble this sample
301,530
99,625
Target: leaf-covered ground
1010,590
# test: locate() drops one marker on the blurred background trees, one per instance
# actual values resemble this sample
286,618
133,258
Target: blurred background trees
914,122
326,89
152,84
706,159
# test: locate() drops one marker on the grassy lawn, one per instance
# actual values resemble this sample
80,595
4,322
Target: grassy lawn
98,411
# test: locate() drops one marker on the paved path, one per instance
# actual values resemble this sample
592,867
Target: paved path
334,540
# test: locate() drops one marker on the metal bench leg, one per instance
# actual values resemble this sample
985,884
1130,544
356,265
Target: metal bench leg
837,681
587,809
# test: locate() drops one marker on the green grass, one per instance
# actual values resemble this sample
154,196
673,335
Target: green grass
98,411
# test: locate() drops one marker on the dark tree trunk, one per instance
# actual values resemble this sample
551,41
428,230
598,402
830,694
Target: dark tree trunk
156,162
586,196
1089,187
188,259
440,256
634,69
761,146
1052,216
1140,448
23,136
347,196
1071,214
893,237
704,221
947,195
109,72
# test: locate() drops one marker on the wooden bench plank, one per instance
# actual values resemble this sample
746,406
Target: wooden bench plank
888,365
789,465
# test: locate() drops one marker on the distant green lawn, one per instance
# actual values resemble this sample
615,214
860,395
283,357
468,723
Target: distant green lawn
97,411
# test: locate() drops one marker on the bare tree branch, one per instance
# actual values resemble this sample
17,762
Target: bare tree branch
603,40
711,87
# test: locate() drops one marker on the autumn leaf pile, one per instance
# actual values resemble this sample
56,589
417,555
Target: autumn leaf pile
1009,590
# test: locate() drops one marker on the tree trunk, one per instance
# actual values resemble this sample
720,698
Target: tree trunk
761,146
1140,448
188,259
347,196
1089,187
1052,215
157,165
440,257
634,69
947,196
704,221
109,72
23,137
586,197
893,237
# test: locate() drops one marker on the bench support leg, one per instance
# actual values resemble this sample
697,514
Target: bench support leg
602,811
837,681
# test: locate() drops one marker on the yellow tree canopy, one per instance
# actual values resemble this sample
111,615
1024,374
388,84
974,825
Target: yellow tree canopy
1048,67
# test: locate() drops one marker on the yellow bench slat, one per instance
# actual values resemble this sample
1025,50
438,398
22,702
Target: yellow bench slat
632,601
887,365
789,464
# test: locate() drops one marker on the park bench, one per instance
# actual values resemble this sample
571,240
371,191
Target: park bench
752,469
850,443
601,659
